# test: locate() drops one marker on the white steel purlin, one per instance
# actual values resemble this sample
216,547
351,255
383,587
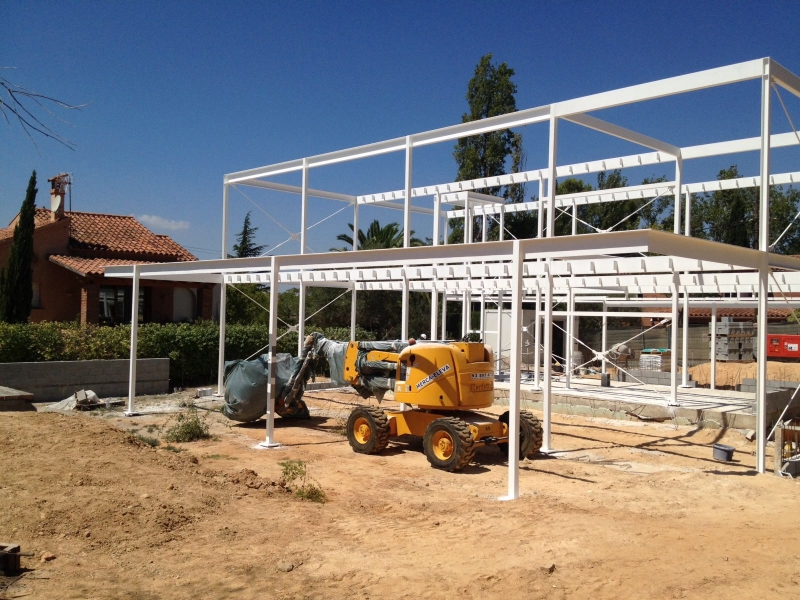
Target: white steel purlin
602,265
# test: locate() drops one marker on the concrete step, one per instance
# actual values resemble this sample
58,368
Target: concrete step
11,399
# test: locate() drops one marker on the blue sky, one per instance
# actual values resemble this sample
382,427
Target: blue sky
183,92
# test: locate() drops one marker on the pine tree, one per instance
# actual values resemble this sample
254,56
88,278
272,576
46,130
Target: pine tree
245,245
16,282
239,308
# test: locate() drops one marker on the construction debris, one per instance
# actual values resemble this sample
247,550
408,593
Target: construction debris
81,400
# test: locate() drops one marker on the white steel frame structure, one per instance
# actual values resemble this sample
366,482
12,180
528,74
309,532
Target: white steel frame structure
606,267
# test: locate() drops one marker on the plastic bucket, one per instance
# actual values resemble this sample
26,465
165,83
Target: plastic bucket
723,452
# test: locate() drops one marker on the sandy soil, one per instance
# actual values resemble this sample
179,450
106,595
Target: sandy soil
730,375
626,510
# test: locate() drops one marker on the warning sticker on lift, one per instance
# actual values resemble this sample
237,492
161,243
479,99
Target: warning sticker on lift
435,375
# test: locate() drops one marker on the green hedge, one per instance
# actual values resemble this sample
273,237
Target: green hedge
191,347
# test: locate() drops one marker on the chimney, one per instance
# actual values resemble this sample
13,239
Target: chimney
58,194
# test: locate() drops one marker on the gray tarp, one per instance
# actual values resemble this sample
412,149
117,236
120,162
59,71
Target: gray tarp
375,377
246,385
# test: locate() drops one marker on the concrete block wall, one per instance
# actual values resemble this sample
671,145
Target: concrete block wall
56,380
749,385
699,342
653,377
699,345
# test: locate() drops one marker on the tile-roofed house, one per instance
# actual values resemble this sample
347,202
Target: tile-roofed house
777,312
72,248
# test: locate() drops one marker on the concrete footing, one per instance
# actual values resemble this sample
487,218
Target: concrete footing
696,406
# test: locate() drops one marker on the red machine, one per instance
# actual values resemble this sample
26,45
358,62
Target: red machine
783,346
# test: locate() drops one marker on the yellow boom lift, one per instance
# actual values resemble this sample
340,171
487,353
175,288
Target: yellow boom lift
440,384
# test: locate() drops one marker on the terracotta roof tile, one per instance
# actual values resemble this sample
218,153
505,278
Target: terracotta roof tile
92,266
748,313
113,234
121,234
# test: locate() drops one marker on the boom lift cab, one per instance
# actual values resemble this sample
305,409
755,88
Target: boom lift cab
443,383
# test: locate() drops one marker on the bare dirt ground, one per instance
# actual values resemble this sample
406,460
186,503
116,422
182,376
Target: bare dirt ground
731,374
625,511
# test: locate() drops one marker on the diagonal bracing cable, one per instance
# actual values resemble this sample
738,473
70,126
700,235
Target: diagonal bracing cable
642,207
496,220
257,303
797,135
258,206
328,304
599,355
564,212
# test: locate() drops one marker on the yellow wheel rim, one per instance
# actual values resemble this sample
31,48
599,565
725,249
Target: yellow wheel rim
442,445
362,431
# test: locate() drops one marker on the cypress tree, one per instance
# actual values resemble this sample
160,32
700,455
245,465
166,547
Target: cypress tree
16,283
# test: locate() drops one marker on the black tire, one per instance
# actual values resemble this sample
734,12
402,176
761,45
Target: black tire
448,444
530,435
368,430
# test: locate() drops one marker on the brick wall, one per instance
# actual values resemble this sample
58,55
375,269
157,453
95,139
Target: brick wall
56,380
90,303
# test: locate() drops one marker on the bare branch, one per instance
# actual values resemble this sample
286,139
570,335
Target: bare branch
28,121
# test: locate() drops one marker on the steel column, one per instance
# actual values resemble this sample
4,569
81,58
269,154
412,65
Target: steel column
272,387
404,308
678,192
223,297
437,218
537,336
763,272
673,378
604,339
548,364
540,211
552,180
304,207
353,312
434,311
466,310
355,226
500,295
685,345
569,341
574,218
134,340
761,378
444,314
301,318
408,181
713,347
516,375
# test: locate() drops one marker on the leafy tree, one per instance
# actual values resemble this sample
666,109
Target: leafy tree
245,245
378,311
490,93
563,220
731,216
16,282
607,215
388,236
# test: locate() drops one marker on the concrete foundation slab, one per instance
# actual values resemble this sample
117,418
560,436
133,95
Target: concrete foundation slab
629,401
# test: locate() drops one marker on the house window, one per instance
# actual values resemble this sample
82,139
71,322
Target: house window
115,305
36,301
